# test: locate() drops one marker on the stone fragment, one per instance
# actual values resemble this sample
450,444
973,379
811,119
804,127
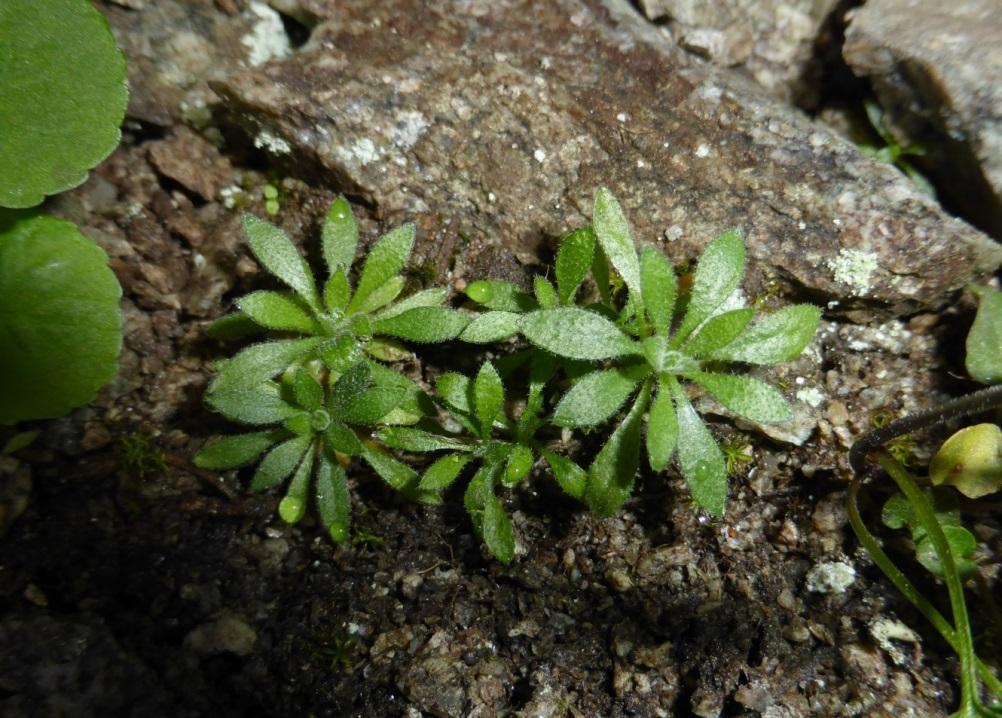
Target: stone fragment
441,116
935,68
227,634
192,161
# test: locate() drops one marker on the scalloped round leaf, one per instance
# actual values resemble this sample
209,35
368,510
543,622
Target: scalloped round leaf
60,325
64,96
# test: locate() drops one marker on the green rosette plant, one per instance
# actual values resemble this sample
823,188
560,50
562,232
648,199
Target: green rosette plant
504,448
342,325
653,343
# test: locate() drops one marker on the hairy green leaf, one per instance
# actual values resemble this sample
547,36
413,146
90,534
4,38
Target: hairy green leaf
776,338
280,462
455,390
597,396
333,500
699,457
60,325
613,233
519,464
718,331
339,237
259,362
488,397
478,492
337,292
574,258
371,405
408,438
571,477
546,295
414,403
984,342
718,274
611,475
385,260
499,295
257,404
398,475
275,310
232,327
279,256
229,452
387,349
292,507
425,298
659,289
341,353
63,99
499,535
442,473
356,379
662,428
424,324
382,295
577,334
745,396
339,437
491,327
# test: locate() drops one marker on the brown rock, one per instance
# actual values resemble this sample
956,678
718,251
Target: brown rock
193,162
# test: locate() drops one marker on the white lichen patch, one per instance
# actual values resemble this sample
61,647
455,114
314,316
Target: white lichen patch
230,195
267,140
267,39
362,151
812,396
540,156
409,127
854,269
830,577
886,630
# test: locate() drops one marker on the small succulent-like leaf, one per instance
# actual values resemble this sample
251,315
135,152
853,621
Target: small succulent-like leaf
398,475
718,274
662,428
699,457
613,233
499,295
571,477
425,298
745,396
279,256
408,438
260,362
546,295
258,404
984,342
443,472
718,331
597,396
371,405
970,460
491,327
280,462
333,500
499,535
229,452
576,334
660,289
455,390
292,507
307,390
573,261
339,237
611,475
385,260
275,310
381,295
424,324
337,291
60,322
343,439
776,338
356,379
518,465
488,397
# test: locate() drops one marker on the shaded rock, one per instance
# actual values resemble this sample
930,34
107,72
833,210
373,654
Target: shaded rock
192,161
493,123
935,70
771,39
227,634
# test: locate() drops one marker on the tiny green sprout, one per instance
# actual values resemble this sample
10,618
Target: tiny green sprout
141,457
891,151
737,453
272,203
648,346
322,418
504,449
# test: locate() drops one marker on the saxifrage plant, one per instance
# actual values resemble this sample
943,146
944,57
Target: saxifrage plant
651,343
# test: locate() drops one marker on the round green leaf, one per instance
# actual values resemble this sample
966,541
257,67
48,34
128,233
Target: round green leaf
63,99
60,326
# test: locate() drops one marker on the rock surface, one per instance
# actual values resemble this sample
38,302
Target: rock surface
770,39
935,68
496,121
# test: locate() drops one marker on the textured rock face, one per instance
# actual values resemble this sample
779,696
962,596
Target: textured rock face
935,68
496,121
771,39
